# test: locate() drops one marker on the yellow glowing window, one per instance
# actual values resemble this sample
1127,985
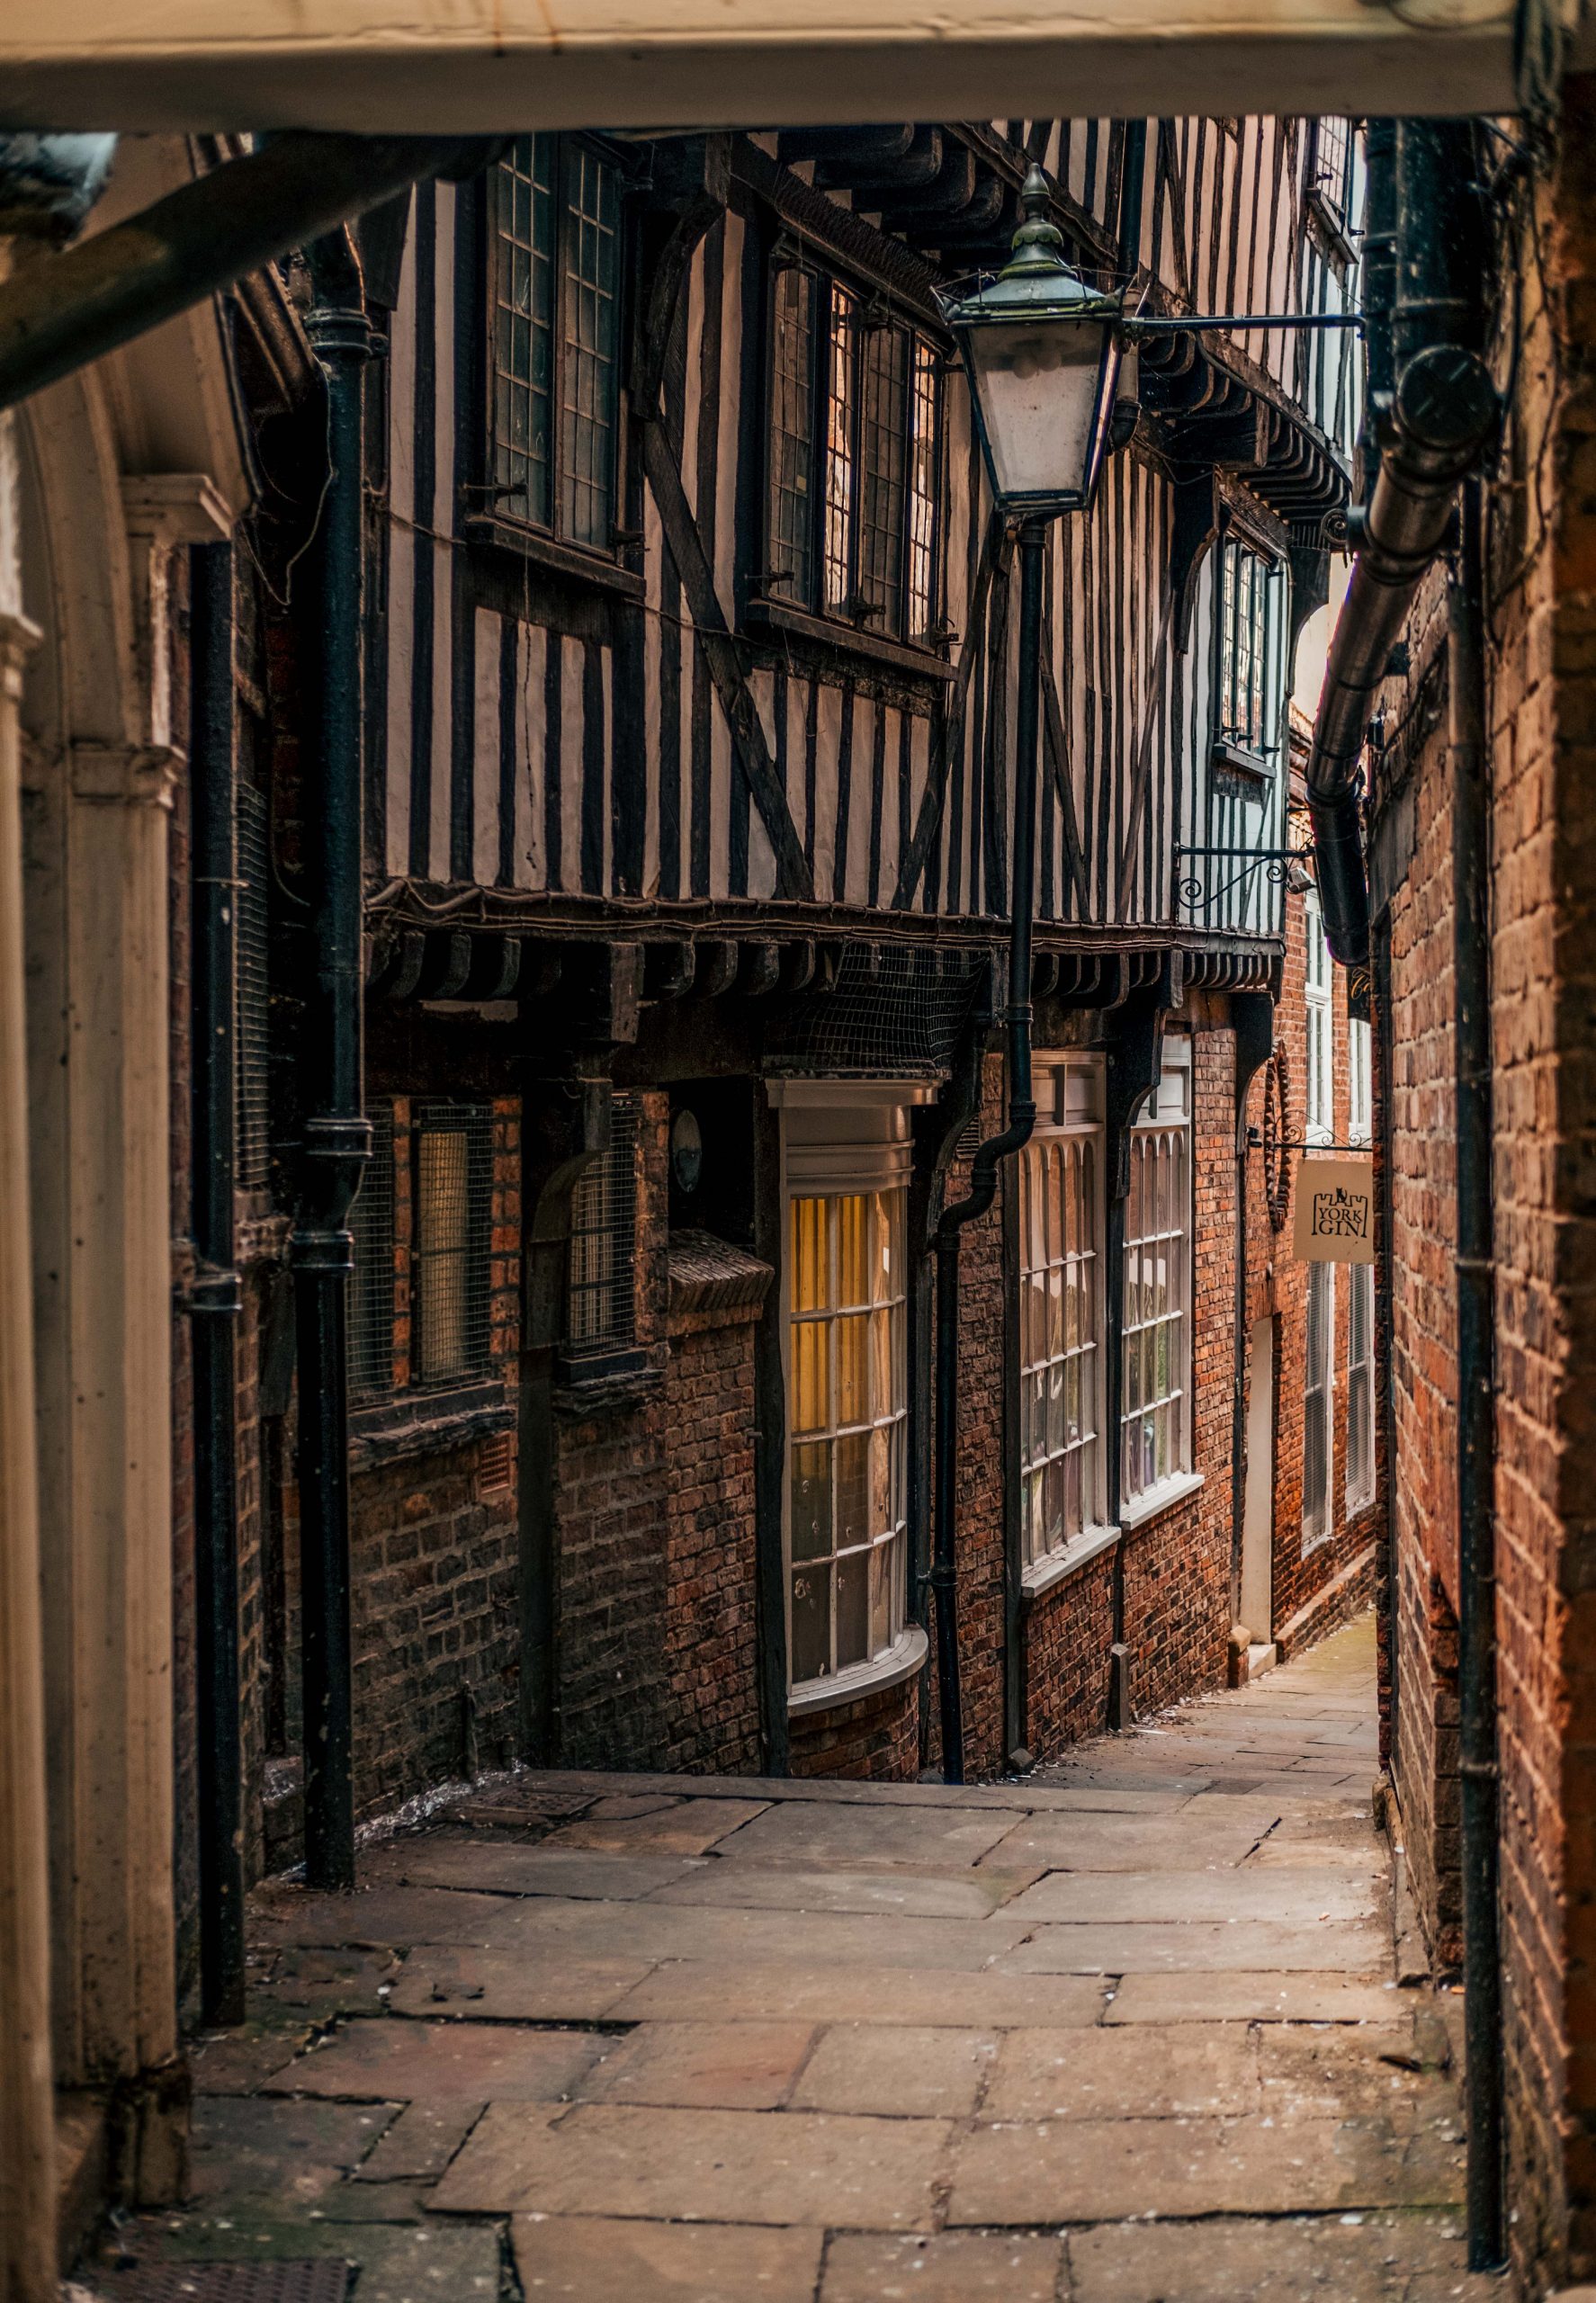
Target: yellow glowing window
847,1423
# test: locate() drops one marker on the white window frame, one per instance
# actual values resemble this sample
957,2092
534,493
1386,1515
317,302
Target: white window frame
1319,1094
1360,1293
840,1138
1319,1510
1164,1124
1056,1355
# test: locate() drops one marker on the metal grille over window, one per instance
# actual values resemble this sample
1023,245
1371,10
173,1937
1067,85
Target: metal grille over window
849,1419
450,1268
374,1302
553,309
893,1014
1360,1295
1318,1424
601,1300
1157,1348
1060,1355
253,1155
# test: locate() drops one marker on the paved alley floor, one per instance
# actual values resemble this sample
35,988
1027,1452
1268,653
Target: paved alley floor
1125,2032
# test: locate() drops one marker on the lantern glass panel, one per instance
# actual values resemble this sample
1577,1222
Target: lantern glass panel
1044,388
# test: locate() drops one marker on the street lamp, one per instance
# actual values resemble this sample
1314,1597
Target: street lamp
1042,352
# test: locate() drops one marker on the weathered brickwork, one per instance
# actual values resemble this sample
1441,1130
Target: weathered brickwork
875,1740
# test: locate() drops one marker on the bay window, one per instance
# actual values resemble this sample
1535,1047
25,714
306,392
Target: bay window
1156,1402
853,468
846,1289
1063,1469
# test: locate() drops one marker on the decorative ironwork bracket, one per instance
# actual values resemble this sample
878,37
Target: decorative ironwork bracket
1274,862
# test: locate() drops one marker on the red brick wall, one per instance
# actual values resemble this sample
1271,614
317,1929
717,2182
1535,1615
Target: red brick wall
875,1740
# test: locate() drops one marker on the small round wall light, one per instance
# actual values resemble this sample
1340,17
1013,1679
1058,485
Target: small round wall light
686,1152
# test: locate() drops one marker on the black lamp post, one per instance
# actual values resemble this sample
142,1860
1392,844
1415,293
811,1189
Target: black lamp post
1042,349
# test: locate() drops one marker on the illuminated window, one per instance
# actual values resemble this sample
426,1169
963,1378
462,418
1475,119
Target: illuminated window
449,1260
555,307
1156,1404
1318,1404
855,459
1061,1322
601,1293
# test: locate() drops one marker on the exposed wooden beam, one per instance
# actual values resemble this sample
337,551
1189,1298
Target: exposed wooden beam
438,68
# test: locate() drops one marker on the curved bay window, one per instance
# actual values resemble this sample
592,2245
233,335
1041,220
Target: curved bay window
855,459
1156,1408
1063,1468
847,1391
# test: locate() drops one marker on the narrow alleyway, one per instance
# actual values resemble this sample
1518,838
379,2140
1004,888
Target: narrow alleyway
629,2040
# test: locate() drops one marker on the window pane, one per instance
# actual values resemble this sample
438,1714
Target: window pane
853,1387
811,1623
812,1500
1317,1420
853,1253
841,398
809,1255
853,1608
601,1312
923,459
521,319
810,1391
791,433
590,273
883,423
1157,1346
1059,1437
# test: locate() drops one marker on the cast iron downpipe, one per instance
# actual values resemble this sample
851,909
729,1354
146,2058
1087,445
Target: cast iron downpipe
338,1135
1476,1422
214,1296
1441,414
983,1172
59,312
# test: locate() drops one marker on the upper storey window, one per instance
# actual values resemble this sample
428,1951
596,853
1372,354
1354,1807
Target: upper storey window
1249,614
852,507
1331,174
554,292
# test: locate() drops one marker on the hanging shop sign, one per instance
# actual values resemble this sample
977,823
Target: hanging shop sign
1335,1210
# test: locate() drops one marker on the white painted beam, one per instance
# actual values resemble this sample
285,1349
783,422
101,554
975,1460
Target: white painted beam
447,67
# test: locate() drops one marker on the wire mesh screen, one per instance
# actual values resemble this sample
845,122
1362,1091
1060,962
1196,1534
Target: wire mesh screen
372,1301
892,1013
601,1291
453,1150
254,1087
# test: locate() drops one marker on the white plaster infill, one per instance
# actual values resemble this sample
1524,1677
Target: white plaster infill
1162,1498
897,1663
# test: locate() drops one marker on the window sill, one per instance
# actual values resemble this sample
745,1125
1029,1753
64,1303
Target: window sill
1232,759
901,1660
420,1423
606,1385
1042,1573
1162,1498
569,559
766,617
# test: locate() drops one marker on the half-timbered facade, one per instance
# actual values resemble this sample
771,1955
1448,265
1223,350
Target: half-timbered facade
689,824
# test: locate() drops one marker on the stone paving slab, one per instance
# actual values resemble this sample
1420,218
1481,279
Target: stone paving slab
1205,2070
1212,1946
593,2258
468,2062
499,1866
1098,2171
803,1835
926,1895
1251,1996
420,2143
953,2267
1288,1897
1361,2260
560,1986
259,2149
901,2071
728,2067
809,1938
779,2167
1115,1843
383,1917
691,1828
1035,1793
687,1989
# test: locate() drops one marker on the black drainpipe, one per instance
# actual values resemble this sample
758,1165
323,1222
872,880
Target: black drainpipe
214,1298
338,1135
983,1173
1476,1407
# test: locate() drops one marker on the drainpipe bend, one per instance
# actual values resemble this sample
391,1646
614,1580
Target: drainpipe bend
1444,411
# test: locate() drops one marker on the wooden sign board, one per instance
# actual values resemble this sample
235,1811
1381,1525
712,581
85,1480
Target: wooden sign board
1335,1210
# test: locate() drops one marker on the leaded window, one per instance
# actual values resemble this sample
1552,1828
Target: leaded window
1061,1324
848,1427
852,516
554,328
1156,1351
1249,612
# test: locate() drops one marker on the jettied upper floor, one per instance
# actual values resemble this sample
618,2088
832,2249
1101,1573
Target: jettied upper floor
451,66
